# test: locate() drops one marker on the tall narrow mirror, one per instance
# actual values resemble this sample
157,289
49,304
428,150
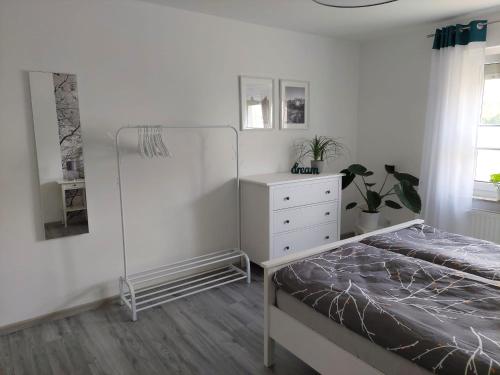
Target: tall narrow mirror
59,146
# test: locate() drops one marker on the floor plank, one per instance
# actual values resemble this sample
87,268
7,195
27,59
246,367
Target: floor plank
215,332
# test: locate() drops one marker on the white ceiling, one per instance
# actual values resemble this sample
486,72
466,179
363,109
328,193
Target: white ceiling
307,16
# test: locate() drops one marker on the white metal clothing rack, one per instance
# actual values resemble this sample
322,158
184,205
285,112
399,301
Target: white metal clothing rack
172,281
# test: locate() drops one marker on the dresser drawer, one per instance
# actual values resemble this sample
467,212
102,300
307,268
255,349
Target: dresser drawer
296,218
290,242
303,194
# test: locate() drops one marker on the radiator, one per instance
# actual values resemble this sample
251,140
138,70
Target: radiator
485,225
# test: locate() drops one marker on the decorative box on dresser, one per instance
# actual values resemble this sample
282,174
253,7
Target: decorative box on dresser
283,213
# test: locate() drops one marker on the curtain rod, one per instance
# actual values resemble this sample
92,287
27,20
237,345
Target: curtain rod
468,27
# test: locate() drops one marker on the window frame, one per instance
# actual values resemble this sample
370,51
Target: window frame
483,189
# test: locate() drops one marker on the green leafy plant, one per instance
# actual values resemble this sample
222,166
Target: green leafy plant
404,189
495,179
320,148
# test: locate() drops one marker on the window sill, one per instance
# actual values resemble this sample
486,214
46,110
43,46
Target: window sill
486,199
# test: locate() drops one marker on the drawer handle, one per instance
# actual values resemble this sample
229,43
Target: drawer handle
327,213
327,237
286,248
327,192
287,221
287,198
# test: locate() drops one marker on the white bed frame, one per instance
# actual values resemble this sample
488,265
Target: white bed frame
308,345
314,349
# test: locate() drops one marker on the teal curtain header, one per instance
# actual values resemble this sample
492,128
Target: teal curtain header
461,35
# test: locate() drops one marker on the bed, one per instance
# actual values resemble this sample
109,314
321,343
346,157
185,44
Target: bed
361,309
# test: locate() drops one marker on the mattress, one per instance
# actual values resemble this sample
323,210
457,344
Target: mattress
478,257
430,315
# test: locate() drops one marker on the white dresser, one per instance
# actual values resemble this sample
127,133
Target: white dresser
284,213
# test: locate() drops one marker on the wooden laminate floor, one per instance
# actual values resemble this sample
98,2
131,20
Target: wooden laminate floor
215,332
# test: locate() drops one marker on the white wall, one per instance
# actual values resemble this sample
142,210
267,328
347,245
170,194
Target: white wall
394,77
139,63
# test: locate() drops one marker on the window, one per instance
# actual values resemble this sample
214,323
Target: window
488,135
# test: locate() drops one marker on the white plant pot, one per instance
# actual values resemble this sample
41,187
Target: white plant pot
498,193
369,221
320,164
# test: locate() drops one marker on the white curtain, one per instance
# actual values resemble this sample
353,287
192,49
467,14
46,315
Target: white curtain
453,111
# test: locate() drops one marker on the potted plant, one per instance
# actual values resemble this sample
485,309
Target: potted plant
495,179
320,149
375,199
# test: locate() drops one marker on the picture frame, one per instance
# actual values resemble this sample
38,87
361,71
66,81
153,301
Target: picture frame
256,103
294,105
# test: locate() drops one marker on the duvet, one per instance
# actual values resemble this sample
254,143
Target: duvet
432,315
467,254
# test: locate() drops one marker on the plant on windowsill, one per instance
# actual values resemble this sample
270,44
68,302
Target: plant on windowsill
375,199
320,149
495,179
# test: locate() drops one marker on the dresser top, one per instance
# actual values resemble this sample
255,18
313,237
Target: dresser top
286,178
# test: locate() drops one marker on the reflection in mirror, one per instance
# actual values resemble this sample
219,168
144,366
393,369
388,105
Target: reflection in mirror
59,146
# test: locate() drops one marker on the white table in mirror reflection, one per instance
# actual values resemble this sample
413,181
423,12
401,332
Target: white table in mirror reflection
69,186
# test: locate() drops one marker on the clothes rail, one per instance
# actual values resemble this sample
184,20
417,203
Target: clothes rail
169,282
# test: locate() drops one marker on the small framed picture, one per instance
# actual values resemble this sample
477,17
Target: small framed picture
256,103
294,98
